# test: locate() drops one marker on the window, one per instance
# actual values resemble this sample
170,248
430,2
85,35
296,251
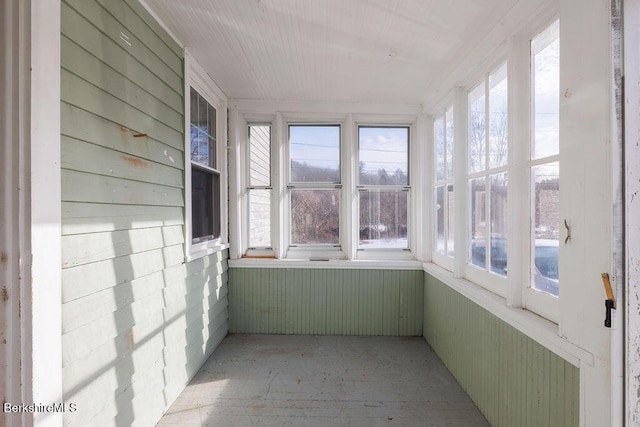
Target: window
314,185
205,175
259,189
301,200
544,162
487,177
444,206
383,187
204,163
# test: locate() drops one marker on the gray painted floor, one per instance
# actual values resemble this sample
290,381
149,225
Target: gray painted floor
292,380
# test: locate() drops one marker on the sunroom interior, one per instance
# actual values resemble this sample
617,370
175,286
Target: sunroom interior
445,170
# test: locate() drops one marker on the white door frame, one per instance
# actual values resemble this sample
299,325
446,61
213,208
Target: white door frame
30,218
631,18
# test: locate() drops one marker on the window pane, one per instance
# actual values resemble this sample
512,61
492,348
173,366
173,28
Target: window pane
383,219
193,111
546,227
438,134
205,204
202,131
315,216
477,129
450,219
498,212
384,155
314,153
259,155
260,218
203,117
498,123
439,220
479,232
546,91
449,159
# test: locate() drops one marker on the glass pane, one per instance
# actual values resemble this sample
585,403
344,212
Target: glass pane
477,129
498,123
498,211
449,162
193,111
479,232
211,154
202,131
205,204
383,155
438,136
450,218
259,155
203,117
546,227
439,216
260,218
315,153
383,219
199,146
315,216
546,91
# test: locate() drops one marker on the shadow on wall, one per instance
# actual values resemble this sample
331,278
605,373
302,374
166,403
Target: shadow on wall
138,320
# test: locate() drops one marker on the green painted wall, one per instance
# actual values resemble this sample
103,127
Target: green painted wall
513,380
138,321
326,301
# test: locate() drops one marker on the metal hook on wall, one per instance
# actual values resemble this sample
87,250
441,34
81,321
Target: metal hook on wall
566,240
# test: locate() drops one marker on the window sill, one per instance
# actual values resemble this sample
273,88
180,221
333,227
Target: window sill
541,330
384,254
204,250
331,264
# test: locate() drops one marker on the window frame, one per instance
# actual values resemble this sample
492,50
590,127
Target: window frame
539,302
312,251
198,79
242,116
443,259
381,253
485,277
258,251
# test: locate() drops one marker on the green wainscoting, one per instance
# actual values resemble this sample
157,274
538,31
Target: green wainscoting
515,381
326,301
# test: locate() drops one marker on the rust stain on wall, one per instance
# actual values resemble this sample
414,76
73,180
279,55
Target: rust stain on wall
139,163
5,294
4,260
124,135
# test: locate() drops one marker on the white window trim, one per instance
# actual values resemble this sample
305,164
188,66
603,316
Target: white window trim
514,289
196,77
312,251
409,252
443,259
248,251
485,278
348,122
539,302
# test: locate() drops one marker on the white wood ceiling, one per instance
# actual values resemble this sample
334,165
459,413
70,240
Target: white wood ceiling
382,51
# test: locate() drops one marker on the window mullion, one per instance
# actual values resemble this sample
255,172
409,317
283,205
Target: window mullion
488,223
279,176
518,170
460,164
487,124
